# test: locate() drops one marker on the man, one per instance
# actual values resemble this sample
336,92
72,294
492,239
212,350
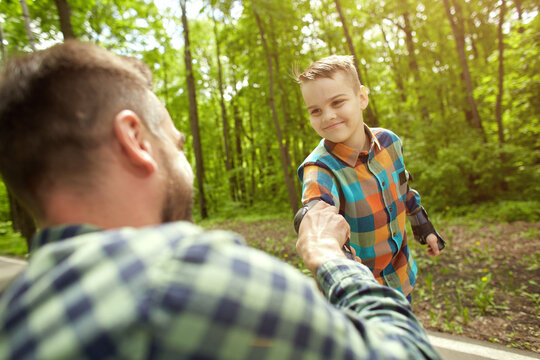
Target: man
95,157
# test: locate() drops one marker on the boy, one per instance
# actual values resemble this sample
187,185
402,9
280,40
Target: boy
362,169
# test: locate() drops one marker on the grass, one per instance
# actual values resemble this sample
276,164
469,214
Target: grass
484,286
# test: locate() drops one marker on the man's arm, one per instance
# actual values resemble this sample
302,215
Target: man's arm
382,316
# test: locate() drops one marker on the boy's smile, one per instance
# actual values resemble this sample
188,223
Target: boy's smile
335,109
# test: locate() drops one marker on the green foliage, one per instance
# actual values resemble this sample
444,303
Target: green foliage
11,243
5,214
500,211
416,88
469,172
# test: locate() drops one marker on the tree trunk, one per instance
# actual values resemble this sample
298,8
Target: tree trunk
224,120
498,105
284,99
520,16
413,64
239,179
251,139
26,16
64,12
459,36
370,115
285,162
193,113
2,46
165,78
395,70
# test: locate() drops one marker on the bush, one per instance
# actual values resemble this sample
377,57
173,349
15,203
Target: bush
502,211
5,214
11,243
470,172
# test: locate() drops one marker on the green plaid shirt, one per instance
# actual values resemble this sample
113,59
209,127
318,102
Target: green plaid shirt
175,291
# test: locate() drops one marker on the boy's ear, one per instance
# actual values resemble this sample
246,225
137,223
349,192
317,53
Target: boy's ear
364,99
132,138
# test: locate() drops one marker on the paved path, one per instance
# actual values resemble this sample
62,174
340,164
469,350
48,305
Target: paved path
450,347
9,268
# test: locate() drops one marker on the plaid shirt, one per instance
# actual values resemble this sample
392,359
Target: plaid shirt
174,291
371,191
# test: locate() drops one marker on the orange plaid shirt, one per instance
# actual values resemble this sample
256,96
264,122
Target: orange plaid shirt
371,191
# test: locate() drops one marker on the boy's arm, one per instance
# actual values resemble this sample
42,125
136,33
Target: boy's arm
318,181
423,230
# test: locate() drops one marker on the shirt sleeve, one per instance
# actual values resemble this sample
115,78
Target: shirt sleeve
382,315
318,181
220,299
413,199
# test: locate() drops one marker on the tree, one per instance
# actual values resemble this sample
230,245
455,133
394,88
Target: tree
456,22
224,120
498,105
64,12
26,16
193,113
283,150
413,63
370,116
2,46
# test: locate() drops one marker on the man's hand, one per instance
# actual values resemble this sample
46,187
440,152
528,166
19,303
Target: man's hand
321,236
432,245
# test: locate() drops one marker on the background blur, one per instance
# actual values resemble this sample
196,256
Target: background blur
458,80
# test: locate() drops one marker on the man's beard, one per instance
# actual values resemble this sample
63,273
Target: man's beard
178,202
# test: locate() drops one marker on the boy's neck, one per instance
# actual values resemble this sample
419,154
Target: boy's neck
363,142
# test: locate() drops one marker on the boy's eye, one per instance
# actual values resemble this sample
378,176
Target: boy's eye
315,112
337,102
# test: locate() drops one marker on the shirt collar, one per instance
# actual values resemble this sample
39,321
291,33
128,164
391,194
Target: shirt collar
349,155
59,233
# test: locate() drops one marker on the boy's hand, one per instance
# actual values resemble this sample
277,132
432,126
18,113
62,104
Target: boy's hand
432,245
321,236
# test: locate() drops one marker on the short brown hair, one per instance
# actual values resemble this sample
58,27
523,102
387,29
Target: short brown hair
57,107
328,66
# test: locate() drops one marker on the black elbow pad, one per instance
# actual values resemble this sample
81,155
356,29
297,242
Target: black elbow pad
422,227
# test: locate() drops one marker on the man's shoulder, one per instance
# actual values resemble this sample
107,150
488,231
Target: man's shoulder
113,249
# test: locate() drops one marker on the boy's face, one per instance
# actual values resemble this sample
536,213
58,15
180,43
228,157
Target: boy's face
335,109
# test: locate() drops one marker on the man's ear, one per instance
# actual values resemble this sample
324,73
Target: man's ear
132,138
364,99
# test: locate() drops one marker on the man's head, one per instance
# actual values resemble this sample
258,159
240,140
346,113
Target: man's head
74,115
335,100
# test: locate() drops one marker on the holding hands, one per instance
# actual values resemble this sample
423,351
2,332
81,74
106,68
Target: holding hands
321,236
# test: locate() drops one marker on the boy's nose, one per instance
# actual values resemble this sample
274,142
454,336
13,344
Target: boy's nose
330,116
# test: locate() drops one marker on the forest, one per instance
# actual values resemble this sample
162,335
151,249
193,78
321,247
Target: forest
457,80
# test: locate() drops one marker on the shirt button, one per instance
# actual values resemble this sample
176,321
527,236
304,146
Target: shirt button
390,209
383,184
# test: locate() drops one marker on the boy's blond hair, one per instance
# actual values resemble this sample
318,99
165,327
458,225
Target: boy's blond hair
328,66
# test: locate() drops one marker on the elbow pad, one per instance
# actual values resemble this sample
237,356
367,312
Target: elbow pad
422,227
